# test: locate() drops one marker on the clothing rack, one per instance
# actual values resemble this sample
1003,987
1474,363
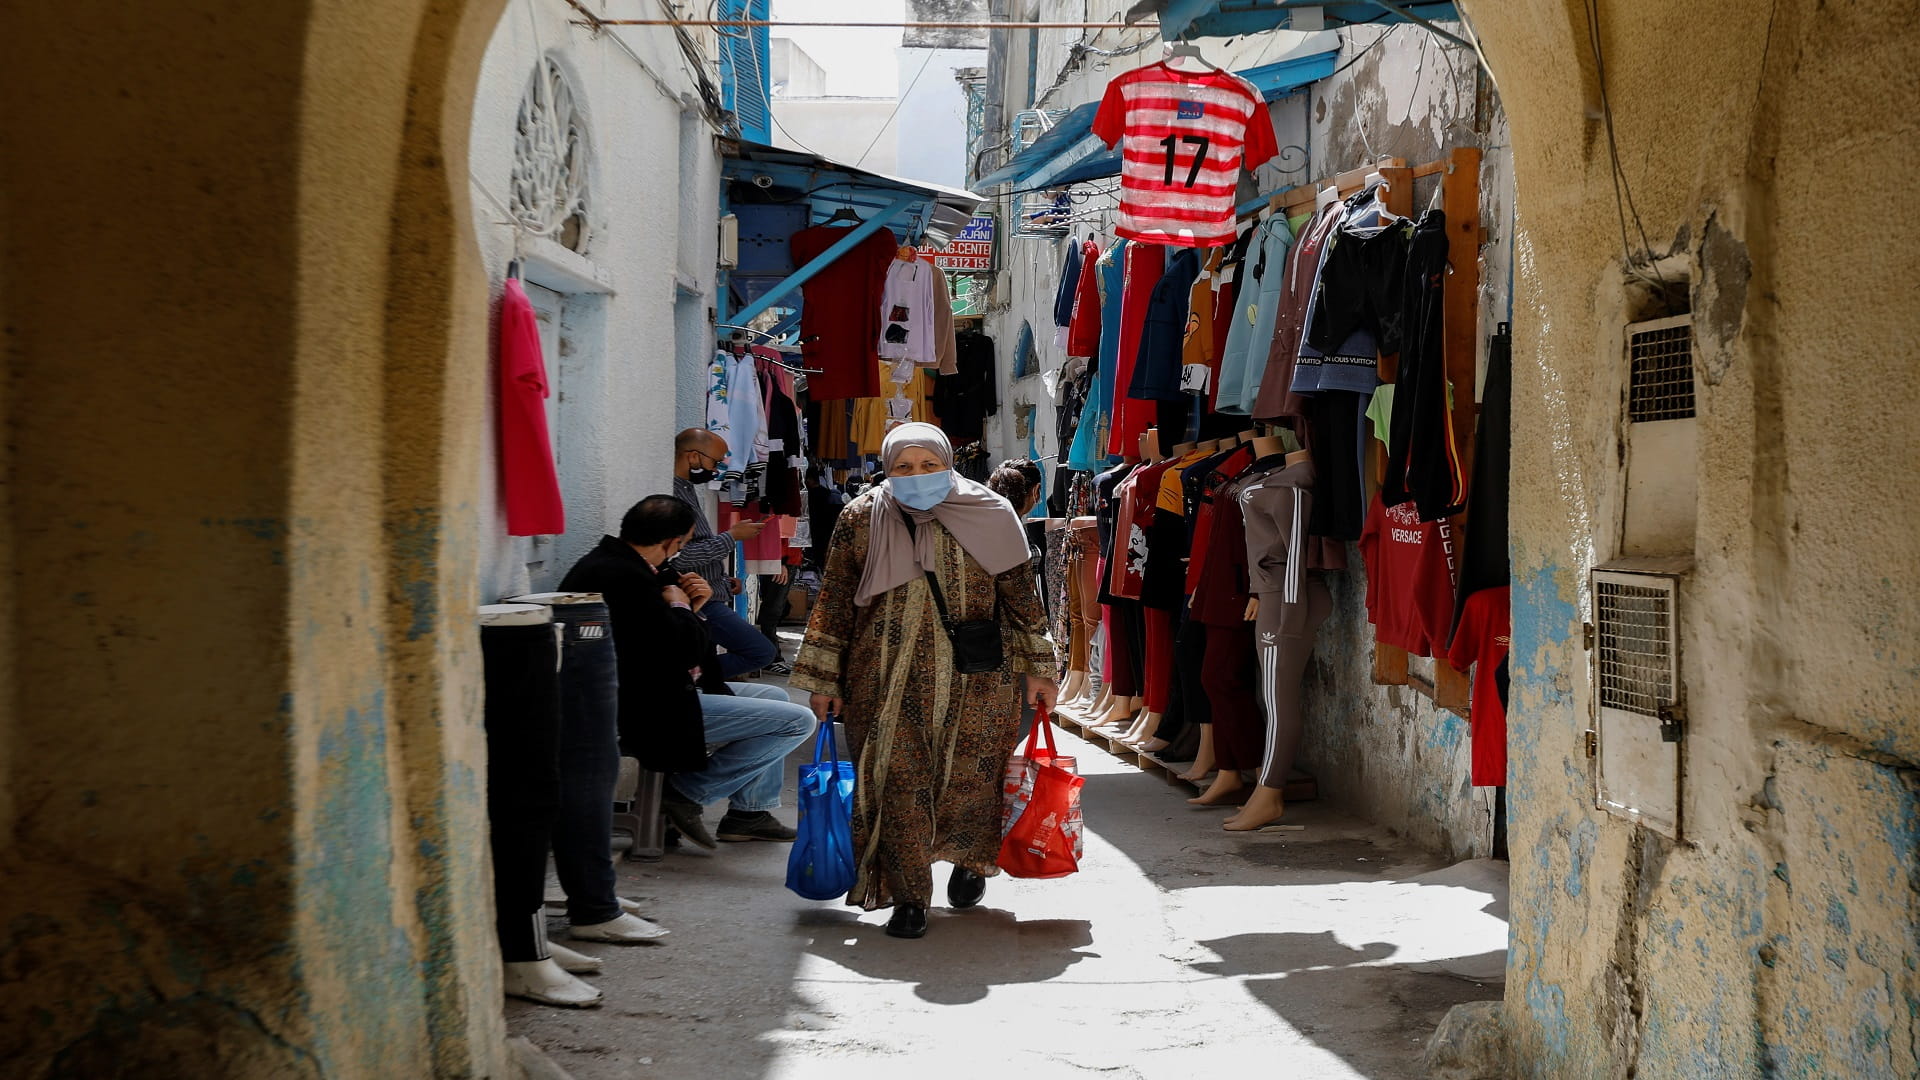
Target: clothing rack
739,335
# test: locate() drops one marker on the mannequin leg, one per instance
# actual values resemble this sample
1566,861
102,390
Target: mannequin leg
1074,687
1227,673
1283,667
1143,728
1227,788
1189,708
1119,714
1158,675
1123,647
1203,760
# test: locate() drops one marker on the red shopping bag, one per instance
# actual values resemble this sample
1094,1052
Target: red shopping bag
1044,832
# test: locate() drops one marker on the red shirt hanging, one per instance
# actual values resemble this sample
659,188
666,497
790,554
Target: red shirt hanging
1482,641
528,483
1184,137
1409,578
840,318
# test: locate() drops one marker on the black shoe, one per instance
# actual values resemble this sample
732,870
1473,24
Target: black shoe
684,814
909,921
738,827
965,888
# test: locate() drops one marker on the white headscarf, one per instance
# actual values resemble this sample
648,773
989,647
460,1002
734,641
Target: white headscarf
983,522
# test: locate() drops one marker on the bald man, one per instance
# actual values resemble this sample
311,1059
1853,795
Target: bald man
697,454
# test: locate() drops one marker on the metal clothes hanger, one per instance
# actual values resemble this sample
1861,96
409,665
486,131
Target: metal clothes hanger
739,337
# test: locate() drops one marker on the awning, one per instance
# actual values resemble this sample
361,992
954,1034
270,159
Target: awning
936,213
1232,18
1069,152
1278,80
1068,134
919,213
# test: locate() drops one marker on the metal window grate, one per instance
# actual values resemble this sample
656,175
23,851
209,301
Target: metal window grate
1660,370
1634,626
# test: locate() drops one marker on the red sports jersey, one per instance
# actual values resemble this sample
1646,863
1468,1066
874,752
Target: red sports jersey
1183,137
1482,640
1409,577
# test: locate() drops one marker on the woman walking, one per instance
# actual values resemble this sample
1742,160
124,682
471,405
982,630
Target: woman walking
930,741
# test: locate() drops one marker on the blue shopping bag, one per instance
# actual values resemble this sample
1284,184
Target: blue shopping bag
821,865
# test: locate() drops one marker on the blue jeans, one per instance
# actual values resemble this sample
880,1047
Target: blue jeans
749,736
747,648
589,763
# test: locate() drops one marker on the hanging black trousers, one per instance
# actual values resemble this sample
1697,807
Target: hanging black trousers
523,777
589,763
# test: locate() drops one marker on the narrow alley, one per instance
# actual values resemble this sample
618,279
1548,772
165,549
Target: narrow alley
1332,952
1442,463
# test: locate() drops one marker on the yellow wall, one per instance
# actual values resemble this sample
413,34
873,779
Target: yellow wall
1769,147
246,357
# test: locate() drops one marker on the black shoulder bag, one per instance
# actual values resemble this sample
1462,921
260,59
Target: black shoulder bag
976,642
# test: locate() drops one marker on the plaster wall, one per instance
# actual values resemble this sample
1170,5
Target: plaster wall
634,314
243,822
794,70
843,129
930,131
1777,936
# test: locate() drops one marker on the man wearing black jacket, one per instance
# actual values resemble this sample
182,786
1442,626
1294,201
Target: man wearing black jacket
718,740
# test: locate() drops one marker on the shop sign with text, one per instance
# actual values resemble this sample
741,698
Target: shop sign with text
969,253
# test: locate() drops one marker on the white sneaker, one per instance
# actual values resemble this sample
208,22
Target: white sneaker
625,930
572,962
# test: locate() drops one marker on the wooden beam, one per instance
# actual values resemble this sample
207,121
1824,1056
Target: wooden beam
1389,664
1460,200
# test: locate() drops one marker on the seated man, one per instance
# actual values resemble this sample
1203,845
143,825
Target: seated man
718,740
697,453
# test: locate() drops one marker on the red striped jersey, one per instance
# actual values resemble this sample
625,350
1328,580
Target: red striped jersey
1184,137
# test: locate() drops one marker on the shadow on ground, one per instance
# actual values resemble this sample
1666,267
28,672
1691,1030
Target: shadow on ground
1001,949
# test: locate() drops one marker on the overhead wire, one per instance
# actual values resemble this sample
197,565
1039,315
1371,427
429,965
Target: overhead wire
1622,188
899,101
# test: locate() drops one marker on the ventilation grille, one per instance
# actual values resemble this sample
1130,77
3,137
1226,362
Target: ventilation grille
1634,628
1660,370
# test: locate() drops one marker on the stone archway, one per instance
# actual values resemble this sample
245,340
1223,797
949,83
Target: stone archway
240,770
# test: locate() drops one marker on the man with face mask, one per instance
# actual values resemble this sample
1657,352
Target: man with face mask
678,715
697,454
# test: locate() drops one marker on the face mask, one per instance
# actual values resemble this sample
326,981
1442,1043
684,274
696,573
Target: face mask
924,491
698,475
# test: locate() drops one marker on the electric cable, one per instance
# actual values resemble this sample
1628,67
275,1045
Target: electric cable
901,100
1622,188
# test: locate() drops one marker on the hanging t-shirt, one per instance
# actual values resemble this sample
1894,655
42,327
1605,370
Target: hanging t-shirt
1484,636
1083,326
1158,367
1252,325
1065,293
906,313
840,318
1144,265
529,485
1184,137
1409,578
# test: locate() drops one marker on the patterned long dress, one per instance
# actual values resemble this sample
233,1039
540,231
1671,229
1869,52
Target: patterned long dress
931,744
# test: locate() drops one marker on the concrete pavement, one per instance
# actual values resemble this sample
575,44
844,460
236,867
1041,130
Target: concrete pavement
1327,953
